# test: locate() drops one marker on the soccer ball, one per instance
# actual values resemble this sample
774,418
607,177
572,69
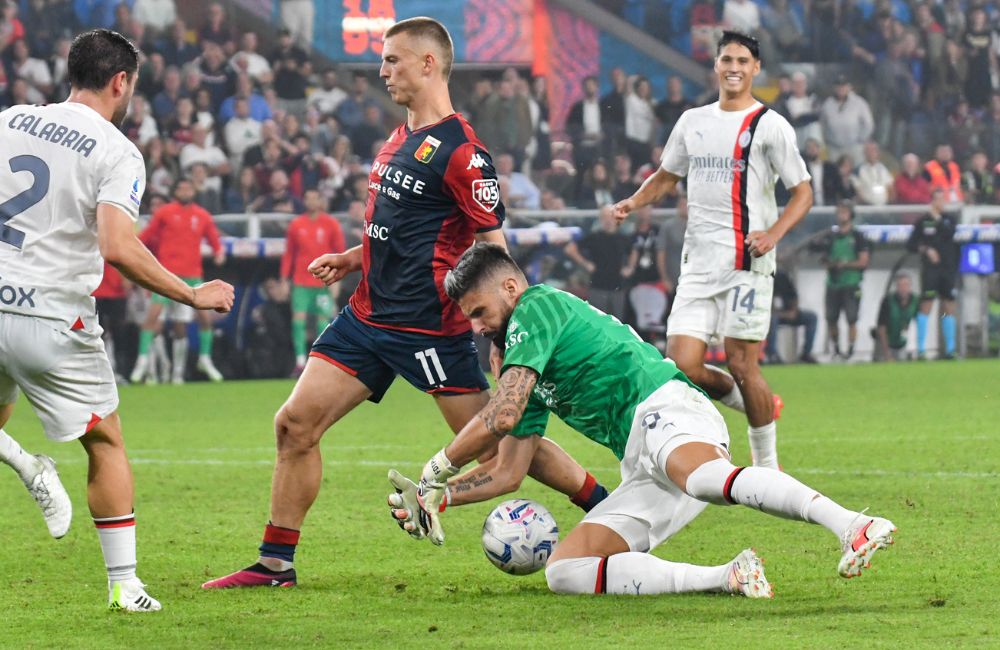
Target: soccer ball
519,536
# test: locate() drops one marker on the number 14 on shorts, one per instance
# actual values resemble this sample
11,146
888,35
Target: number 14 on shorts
746,302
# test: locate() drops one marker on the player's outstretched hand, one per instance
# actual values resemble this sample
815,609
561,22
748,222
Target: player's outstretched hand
433,492
404,506
330,268
216,294
622,209
761,242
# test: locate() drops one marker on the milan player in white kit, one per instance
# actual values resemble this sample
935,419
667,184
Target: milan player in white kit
70,188
731,152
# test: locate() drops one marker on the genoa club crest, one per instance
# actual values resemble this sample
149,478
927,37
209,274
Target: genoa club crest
427,148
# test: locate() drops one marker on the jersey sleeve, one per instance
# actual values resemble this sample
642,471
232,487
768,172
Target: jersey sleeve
783,153
123,182
212,233
675,155
533,333
533,421
337,242
150,235
471,180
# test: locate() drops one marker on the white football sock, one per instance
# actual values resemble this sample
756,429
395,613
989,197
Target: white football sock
633,574
117,535
21,461
179,347
764,445
734,398
767,490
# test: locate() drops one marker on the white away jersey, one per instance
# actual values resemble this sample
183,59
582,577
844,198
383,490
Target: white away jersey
57,163
731,160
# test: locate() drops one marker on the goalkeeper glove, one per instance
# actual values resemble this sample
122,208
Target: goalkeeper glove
406,508
433,491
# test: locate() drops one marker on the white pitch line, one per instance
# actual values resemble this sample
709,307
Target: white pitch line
139,460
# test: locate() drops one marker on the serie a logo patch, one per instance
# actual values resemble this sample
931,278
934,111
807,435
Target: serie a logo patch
427,149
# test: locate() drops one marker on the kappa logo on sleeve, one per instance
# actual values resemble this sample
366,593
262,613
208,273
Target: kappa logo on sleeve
476,162
427,149
486,192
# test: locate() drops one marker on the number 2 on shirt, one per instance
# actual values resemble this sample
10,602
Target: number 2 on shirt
746,302
21,202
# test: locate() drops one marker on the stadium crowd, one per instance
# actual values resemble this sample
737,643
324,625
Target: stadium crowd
255,128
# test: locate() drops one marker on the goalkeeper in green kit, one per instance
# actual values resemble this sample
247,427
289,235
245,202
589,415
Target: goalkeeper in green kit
565,357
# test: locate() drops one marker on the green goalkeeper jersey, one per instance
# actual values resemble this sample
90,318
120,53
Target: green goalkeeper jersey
593,370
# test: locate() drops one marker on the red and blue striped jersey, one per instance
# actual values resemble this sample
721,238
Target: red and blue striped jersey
429,192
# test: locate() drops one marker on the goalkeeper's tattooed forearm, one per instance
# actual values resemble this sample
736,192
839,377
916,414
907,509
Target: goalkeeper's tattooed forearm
506,407
470,482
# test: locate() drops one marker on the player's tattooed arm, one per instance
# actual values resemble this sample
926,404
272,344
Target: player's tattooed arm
497,418
507,405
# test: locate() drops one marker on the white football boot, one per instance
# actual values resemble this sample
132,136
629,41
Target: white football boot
50,495
130,596
746,576
860,541
206,366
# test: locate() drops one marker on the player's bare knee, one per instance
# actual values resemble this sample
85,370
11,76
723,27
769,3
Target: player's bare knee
743,368
294,433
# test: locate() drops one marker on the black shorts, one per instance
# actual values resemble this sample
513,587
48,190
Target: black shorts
843,299
937,282
111,313
443,365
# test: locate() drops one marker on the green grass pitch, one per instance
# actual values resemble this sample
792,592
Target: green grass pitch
918,443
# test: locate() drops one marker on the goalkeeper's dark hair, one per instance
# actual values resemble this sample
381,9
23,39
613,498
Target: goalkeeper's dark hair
424,27
747,41
97,56
476,265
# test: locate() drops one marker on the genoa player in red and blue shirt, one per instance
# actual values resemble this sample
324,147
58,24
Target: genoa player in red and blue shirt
433,192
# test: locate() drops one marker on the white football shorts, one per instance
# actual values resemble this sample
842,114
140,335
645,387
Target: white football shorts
65,374
722,304
647,508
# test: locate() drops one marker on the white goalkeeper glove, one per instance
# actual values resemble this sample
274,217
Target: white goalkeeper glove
406,507
433,493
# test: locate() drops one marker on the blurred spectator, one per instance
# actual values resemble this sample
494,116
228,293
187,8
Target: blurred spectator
933,238
151,75
846,254
981,59
111,297
34,71
200,151
95,13
934,43
241,133
287,48
176,48
603,252
522,192
944,174
845,188
259,108
205,195
45,22
786,311
59,61
894,315
583,124
596,187
215,29
162,170
648,295
965,129
668,110
953,18
803,110
353,225
978,180
540,146
337,166
741,15
270,335
248,61
785,28
165,102
990,138
506,121
139,126
613,111
244,193
624,181
351,110
639,119
671,244
825,176
297,16
371,130
216,76
875,185
156,15
291,80
327,98
911,185
956,71
847,122
900,96
19,93
279,199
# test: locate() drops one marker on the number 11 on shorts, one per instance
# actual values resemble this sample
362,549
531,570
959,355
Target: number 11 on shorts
422,357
